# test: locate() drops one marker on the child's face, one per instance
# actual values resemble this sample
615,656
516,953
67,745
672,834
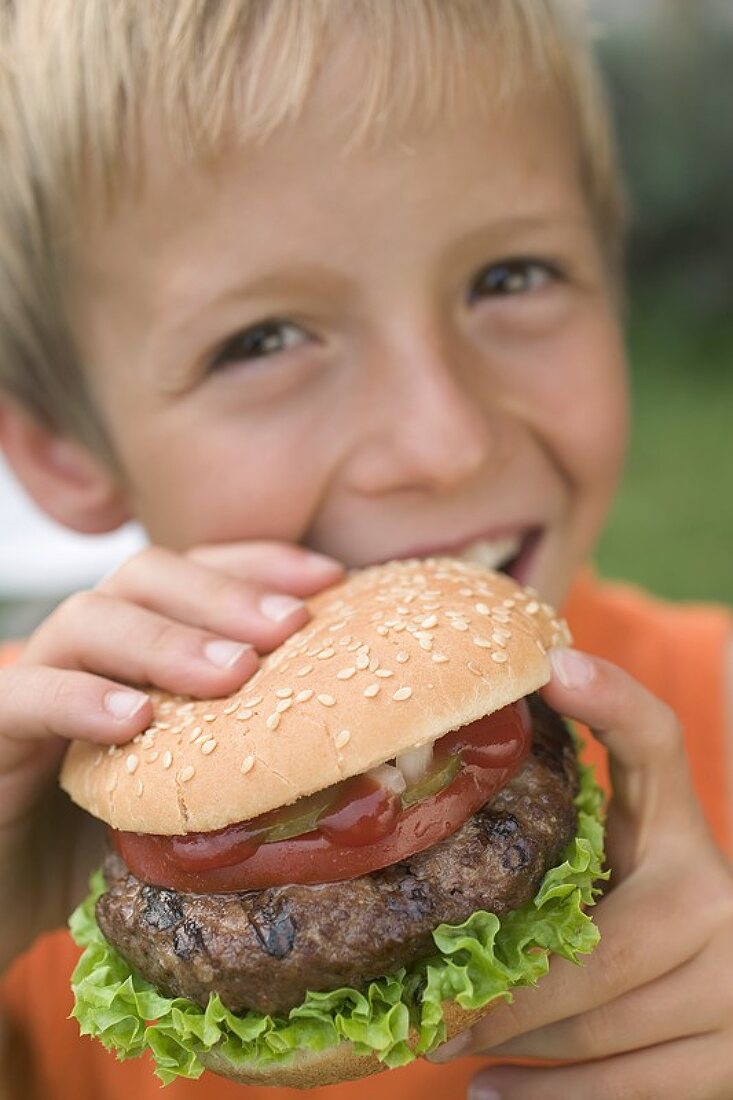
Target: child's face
402,351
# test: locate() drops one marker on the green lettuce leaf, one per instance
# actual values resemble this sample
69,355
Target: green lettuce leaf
476,962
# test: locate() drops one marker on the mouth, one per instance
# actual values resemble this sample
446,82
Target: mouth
511,552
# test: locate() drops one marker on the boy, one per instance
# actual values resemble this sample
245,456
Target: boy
306,285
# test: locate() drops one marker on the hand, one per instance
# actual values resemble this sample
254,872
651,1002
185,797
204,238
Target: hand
190,623
653,1005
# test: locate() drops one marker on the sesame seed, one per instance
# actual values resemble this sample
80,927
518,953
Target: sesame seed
352,646
431,606
113,750
338,626
153,757
483,609
326,653
474,669
383,673
208,746
304,696
195,732
167,760
345,673
247,764
426,643
499,639
482,643
532,607
440,658
345,640
284,693
253,702
283,705
459,624
382,631
374,664
164,725
140,788
243,715
371,691
273,721
499,658
326,700
230,709
304,670
429,621
209,718
137,739
509,603
98,758
465,592
399,626
131,763
362,661
402,657
342,738
186,773
110,784
402,693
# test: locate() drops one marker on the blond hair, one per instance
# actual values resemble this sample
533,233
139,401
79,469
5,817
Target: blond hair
76,77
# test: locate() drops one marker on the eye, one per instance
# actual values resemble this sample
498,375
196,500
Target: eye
512,277
260,341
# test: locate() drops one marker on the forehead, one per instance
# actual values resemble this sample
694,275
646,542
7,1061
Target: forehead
218,81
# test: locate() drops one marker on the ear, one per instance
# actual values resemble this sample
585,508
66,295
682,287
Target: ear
64,478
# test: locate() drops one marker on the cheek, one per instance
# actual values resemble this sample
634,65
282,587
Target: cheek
582,400
244,483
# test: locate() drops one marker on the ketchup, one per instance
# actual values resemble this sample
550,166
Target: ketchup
347,830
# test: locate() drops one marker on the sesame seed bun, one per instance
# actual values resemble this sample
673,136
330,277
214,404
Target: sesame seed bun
393,658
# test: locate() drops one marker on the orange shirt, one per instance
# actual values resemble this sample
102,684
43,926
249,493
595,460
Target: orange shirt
676,651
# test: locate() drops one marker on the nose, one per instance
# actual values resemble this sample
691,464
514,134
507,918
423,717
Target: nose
423,426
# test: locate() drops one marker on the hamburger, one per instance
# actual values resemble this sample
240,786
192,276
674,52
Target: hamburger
353,857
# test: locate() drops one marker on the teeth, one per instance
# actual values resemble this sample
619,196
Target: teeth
492,554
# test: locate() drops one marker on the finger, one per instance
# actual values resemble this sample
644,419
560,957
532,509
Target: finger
201,596
654,1013
41,709
280,565
697,1068
664,939
653,801
93,632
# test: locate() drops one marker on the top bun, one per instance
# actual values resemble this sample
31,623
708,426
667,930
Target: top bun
393,657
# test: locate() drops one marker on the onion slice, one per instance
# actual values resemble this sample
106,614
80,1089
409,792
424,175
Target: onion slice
415,763
389,777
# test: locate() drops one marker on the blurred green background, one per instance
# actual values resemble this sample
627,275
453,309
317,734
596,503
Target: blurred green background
669,65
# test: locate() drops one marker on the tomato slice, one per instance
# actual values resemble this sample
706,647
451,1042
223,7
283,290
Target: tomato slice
366,828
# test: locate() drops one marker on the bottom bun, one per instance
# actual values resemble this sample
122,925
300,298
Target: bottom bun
328,1067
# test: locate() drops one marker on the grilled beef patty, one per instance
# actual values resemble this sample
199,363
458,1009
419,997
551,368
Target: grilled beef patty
264,949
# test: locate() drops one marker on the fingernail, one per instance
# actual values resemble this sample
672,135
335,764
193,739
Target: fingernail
573,669
480,1091
322,563
224,654
451,1049
124,704
276,607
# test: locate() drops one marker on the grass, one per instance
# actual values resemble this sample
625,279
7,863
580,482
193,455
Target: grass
672,527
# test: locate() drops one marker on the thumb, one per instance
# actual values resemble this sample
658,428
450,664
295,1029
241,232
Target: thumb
652,800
